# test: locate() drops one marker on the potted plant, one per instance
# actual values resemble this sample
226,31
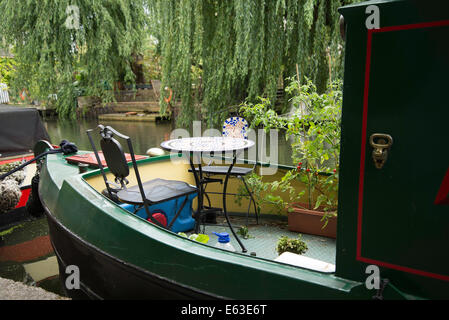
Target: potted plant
313,128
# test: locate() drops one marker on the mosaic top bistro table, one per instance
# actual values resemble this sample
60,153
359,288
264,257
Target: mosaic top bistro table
196,146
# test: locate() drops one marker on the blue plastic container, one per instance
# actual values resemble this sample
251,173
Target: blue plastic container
183,223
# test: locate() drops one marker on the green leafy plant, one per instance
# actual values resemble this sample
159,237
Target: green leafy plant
313,127
258,188
48,52
7,70
244,232
243,48
286,244
151,59
263,192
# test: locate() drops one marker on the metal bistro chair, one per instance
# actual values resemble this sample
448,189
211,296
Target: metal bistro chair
234,127
143,194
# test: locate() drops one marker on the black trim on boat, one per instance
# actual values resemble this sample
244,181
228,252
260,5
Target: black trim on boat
86,292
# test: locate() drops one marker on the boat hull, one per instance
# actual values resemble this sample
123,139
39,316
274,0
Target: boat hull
107,277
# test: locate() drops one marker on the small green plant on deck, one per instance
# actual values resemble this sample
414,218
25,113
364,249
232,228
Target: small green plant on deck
313,128
286,244
244,232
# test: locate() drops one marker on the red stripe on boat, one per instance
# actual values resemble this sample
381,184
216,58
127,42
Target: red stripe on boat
16,159
24,197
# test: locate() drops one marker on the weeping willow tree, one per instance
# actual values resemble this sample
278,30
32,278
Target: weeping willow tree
59,43
218,53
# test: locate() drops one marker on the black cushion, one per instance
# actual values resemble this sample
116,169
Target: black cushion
115,157
157,190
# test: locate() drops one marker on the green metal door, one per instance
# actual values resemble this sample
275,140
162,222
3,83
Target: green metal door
397,210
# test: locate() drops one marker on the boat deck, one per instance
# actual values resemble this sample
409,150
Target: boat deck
263,238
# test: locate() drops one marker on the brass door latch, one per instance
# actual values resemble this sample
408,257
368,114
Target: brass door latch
381,144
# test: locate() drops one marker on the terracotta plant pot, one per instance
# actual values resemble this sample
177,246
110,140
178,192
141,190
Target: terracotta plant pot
309,222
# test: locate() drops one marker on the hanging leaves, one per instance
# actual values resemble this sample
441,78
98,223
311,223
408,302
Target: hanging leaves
244,49
214,54
100,41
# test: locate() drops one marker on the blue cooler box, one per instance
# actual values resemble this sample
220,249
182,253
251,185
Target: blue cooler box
183,223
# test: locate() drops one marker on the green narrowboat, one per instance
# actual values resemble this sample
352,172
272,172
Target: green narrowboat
122,256
393,210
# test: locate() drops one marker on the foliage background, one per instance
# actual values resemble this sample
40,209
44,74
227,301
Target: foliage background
50,56
213,54
244,49
7,69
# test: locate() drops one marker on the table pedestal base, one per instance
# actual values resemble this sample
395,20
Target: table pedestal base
204,210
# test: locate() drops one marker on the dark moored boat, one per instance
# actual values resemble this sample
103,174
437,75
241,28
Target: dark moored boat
392,212
20,130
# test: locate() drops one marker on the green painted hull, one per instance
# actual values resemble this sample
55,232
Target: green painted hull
113,249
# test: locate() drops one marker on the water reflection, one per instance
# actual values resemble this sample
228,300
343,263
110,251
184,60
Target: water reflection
144,135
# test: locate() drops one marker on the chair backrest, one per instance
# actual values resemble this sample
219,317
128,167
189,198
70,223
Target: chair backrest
235,127
113,153
115,157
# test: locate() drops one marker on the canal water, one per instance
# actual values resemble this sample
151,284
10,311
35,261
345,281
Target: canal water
26,254
144,135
